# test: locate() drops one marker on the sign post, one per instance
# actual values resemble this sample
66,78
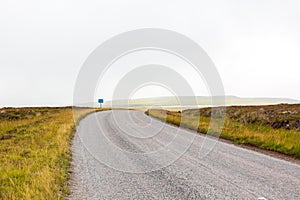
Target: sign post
100,101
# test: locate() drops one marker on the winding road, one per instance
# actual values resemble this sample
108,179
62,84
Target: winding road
129,155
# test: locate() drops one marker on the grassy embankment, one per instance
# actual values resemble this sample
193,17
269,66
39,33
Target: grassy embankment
35,152
275,128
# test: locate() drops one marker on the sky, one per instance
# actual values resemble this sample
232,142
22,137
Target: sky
254,44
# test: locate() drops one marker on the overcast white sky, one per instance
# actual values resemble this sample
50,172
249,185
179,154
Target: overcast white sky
255,44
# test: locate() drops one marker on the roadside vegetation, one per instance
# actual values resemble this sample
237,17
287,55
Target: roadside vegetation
275,127
35,151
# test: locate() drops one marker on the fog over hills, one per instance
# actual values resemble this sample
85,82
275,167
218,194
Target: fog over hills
198,101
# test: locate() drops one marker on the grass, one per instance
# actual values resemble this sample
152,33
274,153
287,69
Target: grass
250,125
35,142
35,152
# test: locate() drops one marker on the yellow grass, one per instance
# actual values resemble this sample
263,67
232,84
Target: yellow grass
280,140
35,152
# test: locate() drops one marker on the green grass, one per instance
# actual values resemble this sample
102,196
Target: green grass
257,133
35,152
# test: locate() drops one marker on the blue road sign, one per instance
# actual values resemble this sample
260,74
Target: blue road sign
100,100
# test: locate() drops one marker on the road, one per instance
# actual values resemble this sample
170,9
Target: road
208,169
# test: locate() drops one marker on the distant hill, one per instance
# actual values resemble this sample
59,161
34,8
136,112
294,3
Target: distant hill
200,101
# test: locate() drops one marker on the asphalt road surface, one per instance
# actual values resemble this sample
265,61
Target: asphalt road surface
116,155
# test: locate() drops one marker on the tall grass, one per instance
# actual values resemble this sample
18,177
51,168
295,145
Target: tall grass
280,140
35,152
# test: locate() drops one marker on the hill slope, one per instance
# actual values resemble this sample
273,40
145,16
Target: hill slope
190,101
